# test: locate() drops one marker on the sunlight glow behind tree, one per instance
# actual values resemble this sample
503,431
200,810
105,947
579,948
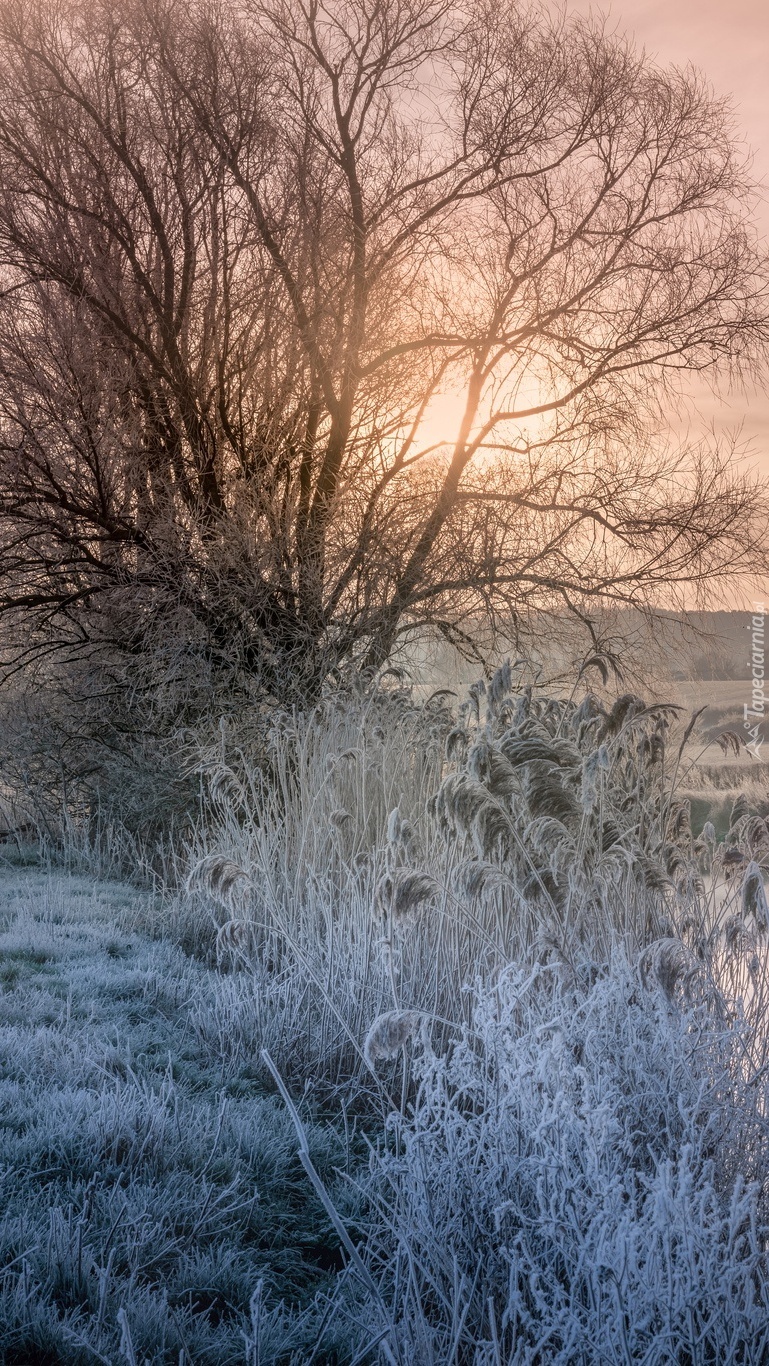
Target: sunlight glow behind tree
245,248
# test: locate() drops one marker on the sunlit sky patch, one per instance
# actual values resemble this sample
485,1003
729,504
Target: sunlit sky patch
729,43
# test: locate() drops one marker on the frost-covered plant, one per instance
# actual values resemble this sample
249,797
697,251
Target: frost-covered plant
317,838
389,1033
572,803
384,855
582,1179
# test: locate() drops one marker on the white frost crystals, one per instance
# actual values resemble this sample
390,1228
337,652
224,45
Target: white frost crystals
221,878
389,1034
563,1190
665,964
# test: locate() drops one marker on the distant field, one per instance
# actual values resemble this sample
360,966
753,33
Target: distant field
724,698
724,702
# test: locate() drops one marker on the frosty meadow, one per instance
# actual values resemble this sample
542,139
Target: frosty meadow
523,1056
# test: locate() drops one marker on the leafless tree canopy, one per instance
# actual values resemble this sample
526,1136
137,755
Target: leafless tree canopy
244,246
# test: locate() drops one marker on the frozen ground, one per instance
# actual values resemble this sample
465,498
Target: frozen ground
148,1183
579,1177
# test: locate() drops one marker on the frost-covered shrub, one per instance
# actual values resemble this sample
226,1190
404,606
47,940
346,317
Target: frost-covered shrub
376,856
583,1179
564,810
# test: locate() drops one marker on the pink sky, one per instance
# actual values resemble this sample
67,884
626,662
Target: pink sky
729,41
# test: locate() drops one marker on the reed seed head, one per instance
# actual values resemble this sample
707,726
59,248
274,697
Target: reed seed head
665,963
389,1034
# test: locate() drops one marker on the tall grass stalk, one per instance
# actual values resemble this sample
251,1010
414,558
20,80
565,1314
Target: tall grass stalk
377,856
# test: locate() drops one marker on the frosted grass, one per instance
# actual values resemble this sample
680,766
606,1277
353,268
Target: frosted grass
148,1185
517,1009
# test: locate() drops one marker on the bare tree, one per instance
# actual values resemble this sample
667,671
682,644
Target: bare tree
244,251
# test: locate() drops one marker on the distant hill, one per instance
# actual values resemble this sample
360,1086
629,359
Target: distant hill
722,650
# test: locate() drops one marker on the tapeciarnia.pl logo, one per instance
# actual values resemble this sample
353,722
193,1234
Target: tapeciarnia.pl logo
755,711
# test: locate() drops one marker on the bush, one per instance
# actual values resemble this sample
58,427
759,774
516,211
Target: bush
582,1179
